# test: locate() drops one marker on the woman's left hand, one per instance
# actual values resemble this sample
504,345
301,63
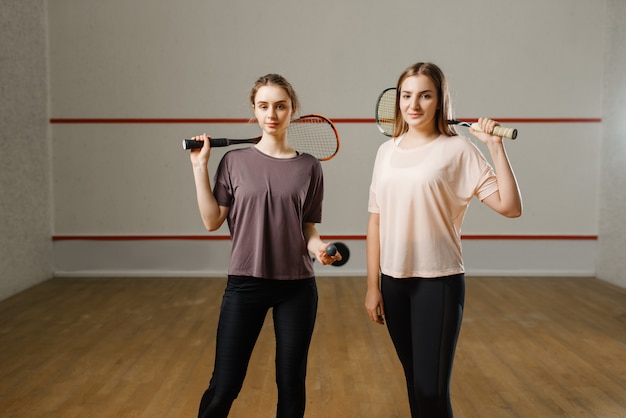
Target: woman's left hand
323,257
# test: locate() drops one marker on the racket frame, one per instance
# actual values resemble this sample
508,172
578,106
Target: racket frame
386,124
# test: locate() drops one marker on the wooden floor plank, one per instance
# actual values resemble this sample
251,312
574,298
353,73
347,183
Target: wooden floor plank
529,347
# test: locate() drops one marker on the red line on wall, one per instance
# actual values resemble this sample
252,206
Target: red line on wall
546,120
144,120
325,237
241,120
532,237
139,237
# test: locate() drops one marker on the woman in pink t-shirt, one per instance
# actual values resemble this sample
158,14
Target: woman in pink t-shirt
422,182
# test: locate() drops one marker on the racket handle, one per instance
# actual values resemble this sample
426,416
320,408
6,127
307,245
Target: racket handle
510,133
215,142
191,144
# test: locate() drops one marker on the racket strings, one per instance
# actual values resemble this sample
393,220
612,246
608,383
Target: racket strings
386,112
314,135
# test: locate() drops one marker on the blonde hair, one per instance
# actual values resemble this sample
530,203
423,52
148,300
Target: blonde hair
444,106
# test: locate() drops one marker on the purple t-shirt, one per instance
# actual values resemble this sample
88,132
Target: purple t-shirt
269,200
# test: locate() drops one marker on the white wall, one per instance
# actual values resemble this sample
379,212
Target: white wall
25,169
611,264
158,59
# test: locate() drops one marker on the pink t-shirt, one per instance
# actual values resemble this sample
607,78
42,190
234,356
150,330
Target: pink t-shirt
422,195
269,200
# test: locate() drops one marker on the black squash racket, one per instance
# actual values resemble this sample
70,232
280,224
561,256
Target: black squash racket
386,117
311,134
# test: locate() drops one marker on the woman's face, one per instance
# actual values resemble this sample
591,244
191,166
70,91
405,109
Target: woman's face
418,102
273,109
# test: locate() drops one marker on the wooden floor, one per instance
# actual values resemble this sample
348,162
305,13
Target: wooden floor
529,347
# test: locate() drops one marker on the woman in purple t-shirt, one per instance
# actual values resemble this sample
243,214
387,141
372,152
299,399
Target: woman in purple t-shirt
271,196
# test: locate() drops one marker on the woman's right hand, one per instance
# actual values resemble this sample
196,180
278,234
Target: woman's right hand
374,305
200,156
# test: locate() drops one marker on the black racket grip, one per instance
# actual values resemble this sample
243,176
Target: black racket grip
215,142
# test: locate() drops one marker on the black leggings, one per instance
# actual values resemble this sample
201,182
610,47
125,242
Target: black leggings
424,320
244,306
